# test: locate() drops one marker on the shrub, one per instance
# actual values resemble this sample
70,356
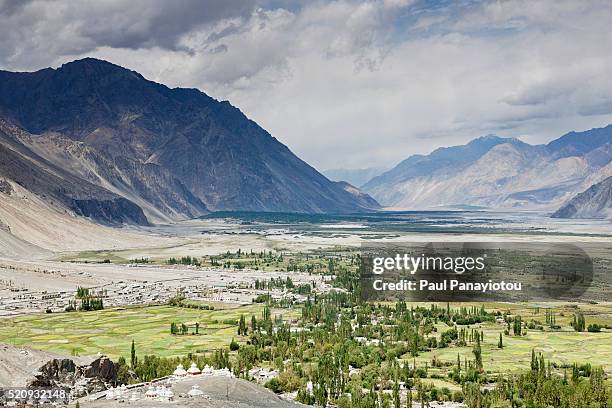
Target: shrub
594,328
458,396
274,386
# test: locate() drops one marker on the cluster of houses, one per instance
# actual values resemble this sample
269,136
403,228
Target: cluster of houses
263,375
368,342
14,302
116,294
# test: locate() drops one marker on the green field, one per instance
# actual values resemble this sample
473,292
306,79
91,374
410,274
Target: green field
316,261
111,331
562,346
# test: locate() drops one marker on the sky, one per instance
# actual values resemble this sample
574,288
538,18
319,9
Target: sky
348,84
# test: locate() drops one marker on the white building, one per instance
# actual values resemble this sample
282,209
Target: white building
180,371
207,370
195,391
193,370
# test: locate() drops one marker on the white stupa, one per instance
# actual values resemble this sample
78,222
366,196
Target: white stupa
180,371
193,370
163,393
151,393
195,391
134,397
224,372
207,370
120,392
110,394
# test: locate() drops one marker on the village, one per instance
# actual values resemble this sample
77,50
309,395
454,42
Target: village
154,285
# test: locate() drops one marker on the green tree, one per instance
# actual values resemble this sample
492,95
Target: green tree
396,395
133,357
579,322
477,353
242,327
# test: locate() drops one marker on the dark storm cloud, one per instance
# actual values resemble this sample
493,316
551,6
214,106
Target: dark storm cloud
35,32
162,24
8,7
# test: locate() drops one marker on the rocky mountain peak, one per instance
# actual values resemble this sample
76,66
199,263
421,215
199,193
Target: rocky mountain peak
150,141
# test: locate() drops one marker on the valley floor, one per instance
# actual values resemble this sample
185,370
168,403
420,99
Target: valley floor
141,270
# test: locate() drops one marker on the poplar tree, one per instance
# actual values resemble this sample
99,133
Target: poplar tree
133,357
477,353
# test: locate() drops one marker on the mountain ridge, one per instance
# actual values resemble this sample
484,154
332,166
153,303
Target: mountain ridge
495,172
594,202
196,153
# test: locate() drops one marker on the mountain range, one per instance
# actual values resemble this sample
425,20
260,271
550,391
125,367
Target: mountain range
356,177
96,140
101,141
499,173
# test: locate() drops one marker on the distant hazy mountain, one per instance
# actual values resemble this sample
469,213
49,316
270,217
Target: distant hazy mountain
172,153
497,172
595,202
356,177
365,200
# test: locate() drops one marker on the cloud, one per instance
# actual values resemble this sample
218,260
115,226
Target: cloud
35,31
350,83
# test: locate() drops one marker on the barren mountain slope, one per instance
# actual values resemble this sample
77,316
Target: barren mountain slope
33,227
59,187
595,202
219,155
162,197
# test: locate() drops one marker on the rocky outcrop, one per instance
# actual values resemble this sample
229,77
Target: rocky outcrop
99,375
5,187
113,210
57,372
